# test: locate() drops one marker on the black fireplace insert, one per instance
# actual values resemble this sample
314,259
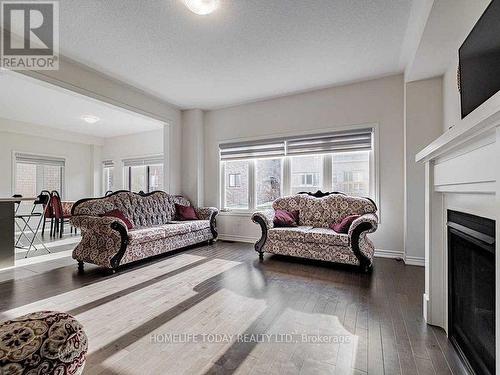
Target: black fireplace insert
471,289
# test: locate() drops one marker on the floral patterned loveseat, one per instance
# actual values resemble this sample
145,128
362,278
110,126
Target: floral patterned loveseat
312,238
107,242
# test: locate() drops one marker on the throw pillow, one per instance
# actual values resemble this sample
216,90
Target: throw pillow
344,225
119,215
283,218
185,212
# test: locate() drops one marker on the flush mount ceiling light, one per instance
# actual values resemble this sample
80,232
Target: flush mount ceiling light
202,7
90,119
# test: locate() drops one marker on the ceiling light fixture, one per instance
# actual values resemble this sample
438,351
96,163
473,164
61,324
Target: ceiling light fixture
90,119
202,7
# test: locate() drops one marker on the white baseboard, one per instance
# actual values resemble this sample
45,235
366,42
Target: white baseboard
414,261
236,238
379,253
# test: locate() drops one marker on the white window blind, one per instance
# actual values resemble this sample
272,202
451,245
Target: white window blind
39,160
340,141
143,161
252,150
352,140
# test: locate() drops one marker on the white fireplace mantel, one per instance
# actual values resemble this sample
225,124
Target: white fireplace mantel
462,172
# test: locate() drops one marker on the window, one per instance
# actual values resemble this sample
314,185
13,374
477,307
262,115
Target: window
234,180
351,173
255,173
107,176
267,181
155,173
144,174
36,173
306,173
236,192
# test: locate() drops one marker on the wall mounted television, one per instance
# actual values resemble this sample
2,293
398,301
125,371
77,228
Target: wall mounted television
479,58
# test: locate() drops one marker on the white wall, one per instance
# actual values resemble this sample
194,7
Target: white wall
423,124
78,156
86,81
129,146
377,101
193,155
451,97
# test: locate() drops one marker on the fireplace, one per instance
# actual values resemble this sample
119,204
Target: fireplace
471,289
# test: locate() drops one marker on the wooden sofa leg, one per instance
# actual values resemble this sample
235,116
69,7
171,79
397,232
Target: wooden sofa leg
367,268
211,242
80,266
261,256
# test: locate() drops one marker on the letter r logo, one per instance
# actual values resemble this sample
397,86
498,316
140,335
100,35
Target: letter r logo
28,28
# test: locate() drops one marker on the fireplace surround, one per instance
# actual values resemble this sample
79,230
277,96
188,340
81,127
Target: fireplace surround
471,289
462,173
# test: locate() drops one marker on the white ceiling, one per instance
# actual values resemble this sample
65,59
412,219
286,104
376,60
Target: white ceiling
28,100
245,51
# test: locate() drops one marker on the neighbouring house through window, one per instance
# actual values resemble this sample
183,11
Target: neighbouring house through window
143,174
256,173
236,192
107,175
234,180
34,173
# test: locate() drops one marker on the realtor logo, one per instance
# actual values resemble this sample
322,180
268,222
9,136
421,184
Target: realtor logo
30,35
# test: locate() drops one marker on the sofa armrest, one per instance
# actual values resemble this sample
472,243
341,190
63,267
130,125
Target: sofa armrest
206,213
265,216
102,225
266,221
368,222
104,240
361,246
209,213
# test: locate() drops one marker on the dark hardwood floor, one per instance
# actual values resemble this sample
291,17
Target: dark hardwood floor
224,289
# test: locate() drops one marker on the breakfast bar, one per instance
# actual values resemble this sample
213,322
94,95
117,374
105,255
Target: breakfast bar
7,231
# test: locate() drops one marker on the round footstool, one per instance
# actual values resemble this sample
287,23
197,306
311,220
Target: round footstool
44,342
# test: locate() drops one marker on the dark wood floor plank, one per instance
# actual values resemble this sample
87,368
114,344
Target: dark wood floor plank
381,312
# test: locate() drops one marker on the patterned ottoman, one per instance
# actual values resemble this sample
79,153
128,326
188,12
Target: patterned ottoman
44,342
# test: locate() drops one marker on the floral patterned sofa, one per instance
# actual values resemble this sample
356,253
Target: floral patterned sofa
313,238
107,242
44,342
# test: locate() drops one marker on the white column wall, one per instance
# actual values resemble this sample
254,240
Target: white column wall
423,124
193,155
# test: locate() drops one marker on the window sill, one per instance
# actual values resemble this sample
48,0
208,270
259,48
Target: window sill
245,213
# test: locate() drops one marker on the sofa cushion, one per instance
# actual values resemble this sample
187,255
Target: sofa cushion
283,218
172,229
321,212
308,234
147,234
185,212
344,225
119,215
180,227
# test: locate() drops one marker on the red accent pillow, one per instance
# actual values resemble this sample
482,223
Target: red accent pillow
283,218
185,212
119,215
344,225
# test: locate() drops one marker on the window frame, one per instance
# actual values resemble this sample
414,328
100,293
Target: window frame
286,177
148,175
143,161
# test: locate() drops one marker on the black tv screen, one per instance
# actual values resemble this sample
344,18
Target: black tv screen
479,59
